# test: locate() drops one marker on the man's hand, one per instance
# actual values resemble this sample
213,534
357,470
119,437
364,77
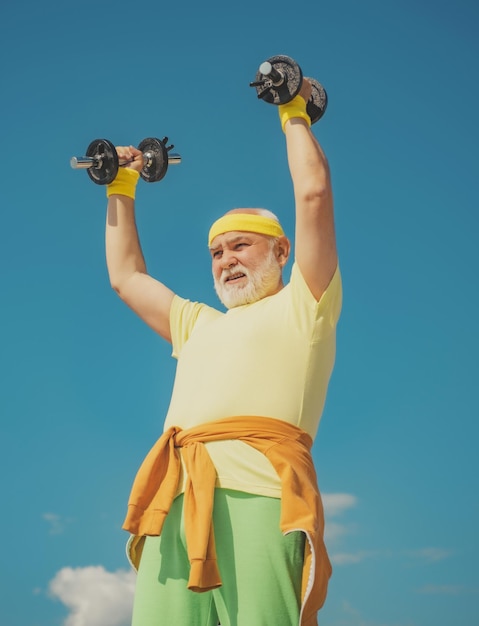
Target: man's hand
131,156
306,90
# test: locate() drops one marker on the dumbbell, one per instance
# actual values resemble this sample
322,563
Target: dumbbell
102,163
279,79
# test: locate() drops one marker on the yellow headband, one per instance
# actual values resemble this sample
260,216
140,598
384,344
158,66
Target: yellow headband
249,222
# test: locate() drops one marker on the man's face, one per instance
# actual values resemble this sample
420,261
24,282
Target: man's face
245,267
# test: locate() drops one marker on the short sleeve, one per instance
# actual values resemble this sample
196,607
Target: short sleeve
184,316
331,301
327,310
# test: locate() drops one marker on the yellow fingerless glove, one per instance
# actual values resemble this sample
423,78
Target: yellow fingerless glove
295,108
124,183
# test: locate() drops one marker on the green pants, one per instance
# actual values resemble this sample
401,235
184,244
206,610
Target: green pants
260,569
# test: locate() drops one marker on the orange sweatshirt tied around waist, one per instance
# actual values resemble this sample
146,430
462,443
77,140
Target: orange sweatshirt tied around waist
287,447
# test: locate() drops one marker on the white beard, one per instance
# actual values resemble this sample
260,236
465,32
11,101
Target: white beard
260,282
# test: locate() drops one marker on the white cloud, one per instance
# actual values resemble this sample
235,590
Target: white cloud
336,503
431,555
451,590
349,558
448,590
333,531
348,615
94,596
56,523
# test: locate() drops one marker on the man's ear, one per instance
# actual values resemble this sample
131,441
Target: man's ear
283,248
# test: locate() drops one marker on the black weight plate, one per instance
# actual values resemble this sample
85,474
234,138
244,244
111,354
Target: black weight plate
156,166
291,85
105,153
316,105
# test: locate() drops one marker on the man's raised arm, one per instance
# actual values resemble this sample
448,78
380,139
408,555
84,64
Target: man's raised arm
148,297
315,241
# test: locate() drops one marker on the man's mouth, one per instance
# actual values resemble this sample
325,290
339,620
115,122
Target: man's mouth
234,277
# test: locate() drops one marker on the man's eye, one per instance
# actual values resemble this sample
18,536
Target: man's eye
238,246
217,254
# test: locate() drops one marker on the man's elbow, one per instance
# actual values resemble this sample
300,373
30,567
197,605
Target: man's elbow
118,284
314,187
317,197
318,192
117,287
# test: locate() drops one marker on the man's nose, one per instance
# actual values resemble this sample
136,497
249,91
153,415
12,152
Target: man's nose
228,259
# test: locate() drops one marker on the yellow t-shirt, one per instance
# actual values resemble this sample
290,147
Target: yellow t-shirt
272,358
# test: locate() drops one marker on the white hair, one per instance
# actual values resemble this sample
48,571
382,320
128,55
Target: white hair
267,213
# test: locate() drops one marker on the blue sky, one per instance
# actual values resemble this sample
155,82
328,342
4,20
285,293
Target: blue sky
85,385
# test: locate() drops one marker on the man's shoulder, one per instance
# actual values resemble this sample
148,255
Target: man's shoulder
184,308
304,305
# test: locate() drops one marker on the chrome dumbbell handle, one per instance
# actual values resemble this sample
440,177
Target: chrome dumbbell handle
85,163
277,78
173,158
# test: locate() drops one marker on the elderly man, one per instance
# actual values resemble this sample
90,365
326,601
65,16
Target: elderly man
225,515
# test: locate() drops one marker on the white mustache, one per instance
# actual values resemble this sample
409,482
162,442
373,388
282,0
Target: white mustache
237,270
